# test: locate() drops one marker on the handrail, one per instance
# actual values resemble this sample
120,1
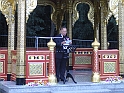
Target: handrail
36,41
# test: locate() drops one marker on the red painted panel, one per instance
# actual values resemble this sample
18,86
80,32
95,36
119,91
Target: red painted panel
82,52
3,60
37,57
109,57
34,57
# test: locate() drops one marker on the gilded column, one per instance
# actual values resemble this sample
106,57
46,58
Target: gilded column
58,25
96,18
52,77
69,23
11,30
21,43
96,75
103,25
69,18
9,46
121,36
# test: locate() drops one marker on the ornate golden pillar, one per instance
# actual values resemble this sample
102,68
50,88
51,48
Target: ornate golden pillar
121,36
96,75
8,9
21,43
96,19
69,18
52,75
11,30
103,25
58,20
69,23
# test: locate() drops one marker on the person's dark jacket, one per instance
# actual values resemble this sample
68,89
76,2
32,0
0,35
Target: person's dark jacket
59,48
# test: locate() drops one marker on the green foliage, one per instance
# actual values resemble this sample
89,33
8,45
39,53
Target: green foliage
3,25
112,29
83,28
39,22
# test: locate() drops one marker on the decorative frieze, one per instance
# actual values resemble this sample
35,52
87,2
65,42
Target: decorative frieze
83,52
109,56
36,57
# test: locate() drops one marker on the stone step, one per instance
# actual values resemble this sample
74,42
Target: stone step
84,91
85,87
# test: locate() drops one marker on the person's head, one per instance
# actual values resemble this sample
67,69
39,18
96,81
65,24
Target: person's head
63,31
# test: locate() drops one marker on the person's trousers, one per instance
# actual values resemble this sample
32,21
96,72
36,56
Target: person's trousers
60,65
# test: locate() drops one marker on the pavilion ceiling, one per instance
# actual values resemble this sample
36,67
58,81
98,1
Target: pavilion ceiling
55,1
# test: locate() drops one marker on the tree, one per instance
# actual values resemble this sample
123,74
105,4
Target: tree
39,22
83,28
3,25
112,29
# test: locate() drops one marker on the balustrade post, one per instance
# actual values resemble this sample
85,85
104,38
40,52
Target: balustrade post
52,78
96,75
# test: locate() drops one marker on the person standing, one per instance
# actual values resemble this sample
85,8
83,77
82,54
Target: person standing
60,55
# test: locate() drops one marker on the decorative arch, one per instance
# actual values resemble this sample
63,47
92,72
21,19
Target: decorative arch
90,13
110,14
47,2
113,9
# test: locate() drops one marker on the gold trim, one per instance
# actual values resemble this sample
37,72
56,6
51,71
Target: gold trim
51,44
5,6
13,4
95,44
52,79
96,77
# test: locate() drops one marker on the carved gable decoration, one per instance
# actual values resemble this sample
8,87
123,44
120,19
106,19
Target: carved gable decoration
113,5
30,6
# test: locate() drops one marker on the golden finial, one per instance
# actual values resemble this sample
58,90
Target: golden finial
51,44
95,44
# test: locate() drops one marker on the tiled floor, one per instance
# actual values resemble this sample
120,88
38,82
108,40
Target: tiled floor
80,76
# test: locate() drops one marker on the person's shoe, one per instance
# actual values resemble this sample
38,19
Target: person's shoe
57,80
64,80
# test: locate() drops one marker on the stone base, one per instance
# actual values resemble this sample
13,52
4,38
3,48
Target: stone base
122,75
8,77
82,87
